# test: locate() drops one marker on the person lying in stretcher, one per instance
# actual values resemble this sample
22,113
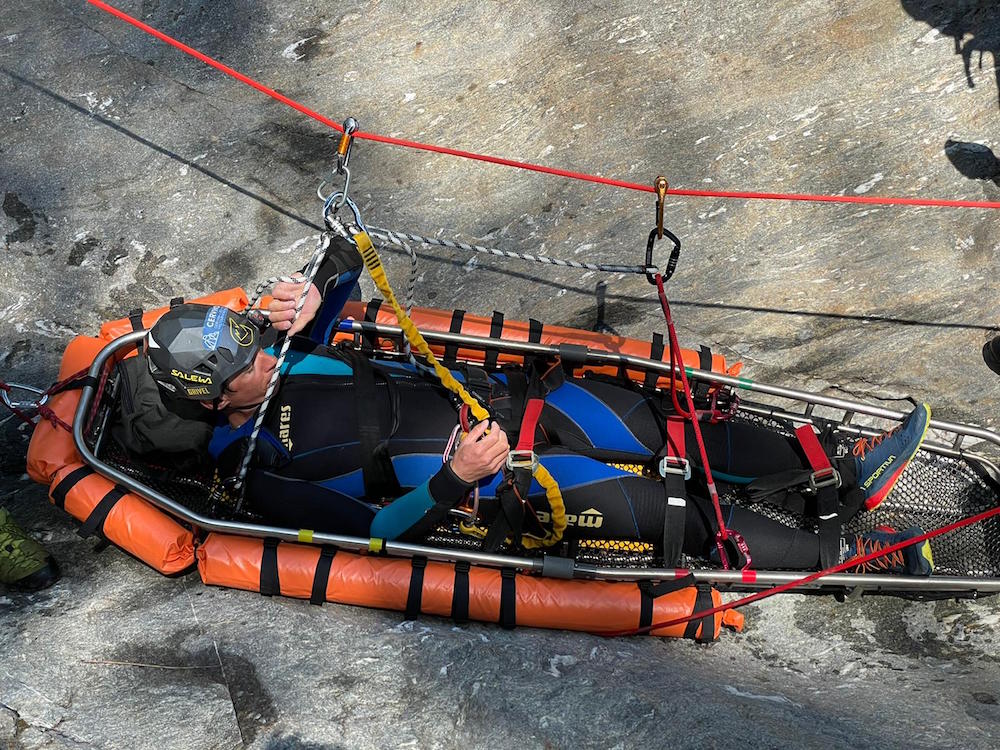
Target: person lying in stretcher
344,432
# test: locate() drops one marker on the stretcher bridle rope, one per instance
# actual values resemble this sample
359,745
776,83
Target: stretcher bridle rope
457,245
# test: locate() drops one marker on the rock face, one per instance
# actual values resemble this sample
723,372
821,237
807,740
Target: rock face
131,173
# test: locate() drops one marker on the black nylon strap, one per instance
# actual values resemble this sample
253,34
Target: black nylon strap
508,599
270,584
656,349
416,593
451,350
135,318
67,483
701,388
534,331
828,526
95,521
376,467
674,519
322,576
496,331
702,602
705,358
460,593
650,592
369,341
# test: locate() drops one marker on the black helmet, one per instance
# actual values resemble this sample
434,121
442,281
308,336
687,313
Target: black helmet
195,349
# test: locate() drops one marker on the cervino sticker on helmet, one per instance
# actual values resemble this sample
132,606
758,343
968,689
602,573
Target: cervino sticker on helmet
215,319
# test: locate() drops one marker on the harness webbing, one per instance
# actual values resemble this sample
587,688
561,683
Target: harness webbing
374,265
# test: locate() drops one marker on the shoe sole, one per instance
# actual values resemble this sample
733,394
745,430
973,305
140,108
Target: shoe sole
873,502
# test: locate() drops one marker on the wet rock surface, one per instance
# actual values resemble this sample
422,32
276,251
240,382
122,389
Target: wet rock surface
131,173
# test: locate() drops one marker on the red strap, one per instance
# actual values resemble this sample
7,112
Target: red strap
532,411
676,442
814,451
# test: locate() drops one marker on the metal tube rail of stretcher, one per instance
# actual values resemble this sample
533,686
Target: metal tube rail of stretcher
616,359
735,579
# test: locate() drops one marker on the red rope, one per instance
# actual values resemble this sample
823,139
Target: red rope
987,514
871,200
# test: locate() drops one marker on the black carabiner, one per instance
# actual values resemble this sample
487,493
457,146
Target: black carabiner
675,254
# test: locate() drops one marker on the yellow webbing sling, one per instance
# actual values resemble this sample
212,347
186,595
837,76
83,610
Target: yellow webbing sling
374,265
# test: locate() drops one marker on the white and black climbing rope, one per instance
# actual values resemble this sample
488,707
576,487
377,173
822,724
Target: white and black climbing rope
310,274
395,236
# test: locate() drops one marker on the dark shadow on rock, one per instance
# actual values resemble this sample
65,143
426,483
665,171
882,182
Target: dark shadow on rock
169,664
190,163
223,29
292,742
973,25
973,160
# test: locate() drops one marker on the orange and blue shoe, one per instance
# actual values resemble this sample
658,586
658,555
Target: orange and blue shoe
881,459
914,560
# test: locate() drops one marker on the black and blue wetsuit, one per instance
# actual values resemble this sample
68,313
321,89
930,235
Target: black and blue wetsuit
308,469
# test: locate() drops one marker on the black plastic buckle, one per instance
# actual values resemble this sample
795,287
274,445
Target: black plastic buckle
823,478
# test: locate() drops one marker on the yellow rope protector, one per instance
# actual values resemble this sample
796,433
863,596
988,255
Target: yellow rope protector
374,265
306,535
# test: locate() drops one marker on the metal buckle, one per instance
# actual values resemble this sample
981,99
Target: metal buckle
522,459
469,515
823,478
675,465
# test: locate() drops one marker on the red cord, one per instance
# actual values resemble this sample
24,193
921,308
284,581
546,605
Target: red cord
723,534
985,515
871,200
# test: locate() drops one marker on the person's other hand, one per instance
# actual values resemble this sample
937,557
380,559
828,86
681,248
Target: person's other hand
282,307
481,454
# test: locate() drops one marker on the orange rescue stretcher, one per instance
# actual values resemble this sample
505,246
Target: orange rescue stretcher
537,592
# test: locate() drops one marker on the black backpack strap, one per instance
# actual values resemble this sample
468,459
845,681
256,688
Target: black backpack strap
321,578
270,584
416,592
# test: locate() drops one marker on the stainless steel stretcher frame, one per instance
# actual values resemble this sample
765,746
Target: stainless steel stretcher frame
789,404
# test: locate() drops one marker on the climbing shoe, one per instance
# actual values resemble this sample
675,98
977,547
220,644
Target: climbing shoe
879,460
991,354
24,563
914,560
